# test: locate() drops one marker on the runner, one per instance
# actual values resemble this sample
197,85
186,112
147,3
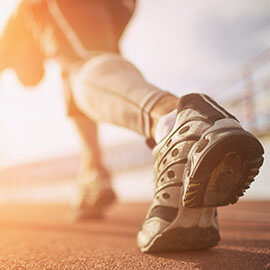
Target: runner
203,158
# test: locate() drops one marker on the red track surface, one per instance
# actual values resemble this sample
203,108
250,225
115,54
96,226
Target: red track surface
41,237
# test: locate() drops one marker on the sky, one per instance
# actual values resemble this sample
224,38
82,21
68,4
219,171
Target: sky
190,44
180,46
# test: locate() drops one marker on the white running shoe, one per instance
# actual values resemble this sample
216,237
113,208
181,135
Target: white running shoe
207,160
94,195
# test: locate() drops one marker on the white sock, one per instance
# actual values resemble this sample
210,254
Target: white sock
165,125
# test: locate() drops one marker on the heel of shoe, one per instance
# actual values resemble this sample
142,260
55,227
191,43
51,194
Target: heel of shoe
223,170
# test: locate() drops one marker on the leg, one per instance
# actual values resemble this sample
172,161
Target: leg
91,153
202,162
110,89
94,192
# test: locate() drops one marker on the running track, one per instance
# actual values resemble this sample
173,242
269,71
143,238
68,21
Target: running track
42,237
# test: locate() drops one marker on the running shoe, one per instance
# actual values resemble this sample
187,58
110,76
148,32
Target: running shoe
207,160
94,195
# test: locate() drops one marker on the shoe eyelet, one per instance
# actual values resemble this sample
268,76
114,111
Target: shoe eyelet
175,152
171,174
184,129
166,196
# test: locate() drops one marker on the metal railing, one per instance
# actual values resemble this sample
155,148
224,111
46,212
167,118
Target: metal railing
247,92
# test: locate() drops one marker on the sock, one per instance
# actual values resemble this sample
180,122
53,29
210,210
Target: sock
165,125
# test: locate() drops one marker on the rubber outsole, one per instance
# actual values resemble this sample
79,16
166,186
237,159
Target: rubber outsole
183,239
224,170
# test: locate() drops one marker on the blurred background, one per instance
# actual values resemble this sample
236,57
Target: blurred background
221,48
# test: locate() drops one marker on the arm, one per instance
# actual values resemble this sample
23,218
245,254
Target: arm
19,50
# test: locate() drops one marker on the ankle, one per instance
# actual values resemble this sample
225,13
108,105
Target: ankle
165,125
164,106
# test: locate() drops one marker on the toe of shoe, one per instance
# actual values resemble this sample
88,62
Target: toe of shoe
151,228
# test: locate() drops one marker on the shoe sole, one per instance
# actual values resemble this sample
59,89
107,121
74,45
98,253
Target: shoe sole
221,166
106,198
181,239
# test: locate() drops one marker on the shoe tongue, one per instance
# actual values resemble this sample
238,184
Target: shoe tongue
165,125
